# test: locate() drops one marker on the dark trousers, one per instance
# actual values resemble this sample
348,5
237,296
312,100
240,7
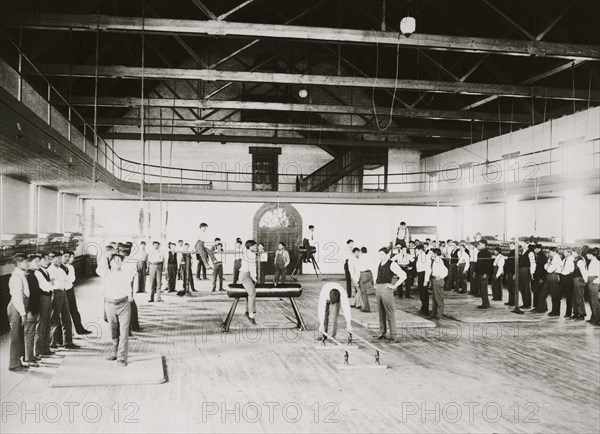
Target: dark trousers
474,281
594,301
404,285
557,294
237,264
142,267
171,276
180,270
524,289
201,270
483,289
263,272
549,286
510,283
536,288
578,300
566,291
42,338
61,319
218,275
348,279
280,274
423,293
496,286
16,336
75,315
452,278
462,278
134,323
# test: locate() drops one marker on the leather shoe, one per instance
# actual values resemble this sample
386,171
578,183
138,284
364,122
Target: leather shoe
72,346
19,369
111,358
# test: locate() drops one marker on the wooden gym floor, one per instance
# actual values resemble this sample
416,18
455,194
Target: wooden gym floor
541,375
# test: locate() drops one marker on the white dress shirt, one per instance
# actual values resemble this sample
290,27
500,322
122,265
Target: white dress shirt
594,268
499,262
403,259
117,283
248,263
438,269
555,264
568,265
70,276
344,304
423,264
44,284
60,277
473,253
19,289
464,258
155,256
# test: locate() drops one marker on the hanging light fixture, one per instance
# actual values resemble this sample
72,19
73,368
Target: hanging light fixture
408,25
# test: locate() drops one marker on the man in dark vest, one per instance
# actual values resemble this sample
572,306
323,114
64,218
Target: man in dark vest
509,273
33,309
172,268
526,271
580,270
539,276
484,270
385,293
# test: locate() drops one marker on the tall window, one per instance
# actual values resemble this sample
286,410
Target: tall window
264,168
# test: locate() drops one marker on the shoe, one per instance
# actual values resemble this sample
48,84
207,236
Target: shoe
221,290
381,337
525,307
214,290
111,358
84,332
160,300
433,317
509,304
482,307
352,305
365,310
567,316
578,318
553,314
121,363
72,346
32,364
54,346
195,290
534,310
19,369
171,290
150,301
181,293
390,340
408,296
252,321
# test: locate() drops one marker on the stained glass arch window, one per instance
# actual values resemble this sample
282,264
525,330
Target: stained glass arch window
276,218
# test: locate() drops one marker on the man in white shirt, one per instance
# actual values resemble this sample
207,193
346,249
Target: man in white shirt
42,332
423,266
331,298
142,267
438,274
464,262
550,285
68,258
17,311
499,261
201,247
404,259
565,285
156,260
60,304
310,244
593,282
180,264
118,293
402,235
248,278
363,271
473,281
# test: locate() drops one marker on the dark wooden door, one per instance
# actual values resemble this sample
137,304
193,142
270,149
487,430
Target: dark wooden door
278,223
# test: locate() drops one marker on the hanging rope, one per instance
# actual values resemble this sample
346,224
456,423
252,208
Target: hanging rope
390,119
160,171
143,129
170,159
93,210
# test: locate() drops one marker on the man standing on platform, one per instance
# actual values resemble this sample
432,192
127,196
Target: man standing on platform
282,260
405,260
218,267
423,267
497,273
527,268
580,277
201,246
565,286
67,265
385,294
464,263
474,281
33,309
484,269
331,298
42,338
550,285
156,261
180,261
402,235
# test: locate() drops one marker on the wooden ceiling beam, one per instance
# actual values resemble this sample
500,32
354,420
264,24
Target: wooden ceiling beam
135,72
207,104
306,33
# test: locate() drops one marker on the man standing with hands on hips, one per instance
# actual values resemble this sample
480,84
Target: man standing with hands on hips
385,293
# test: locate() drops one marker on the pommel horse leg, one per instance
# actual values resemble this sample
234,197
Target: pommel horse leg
229,317
300,322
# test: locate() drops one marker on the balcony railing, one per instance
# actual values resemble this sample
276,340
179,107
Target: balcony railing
44,98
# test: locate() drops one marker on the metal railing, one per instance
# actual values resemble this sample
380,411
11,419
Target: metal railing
76,130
